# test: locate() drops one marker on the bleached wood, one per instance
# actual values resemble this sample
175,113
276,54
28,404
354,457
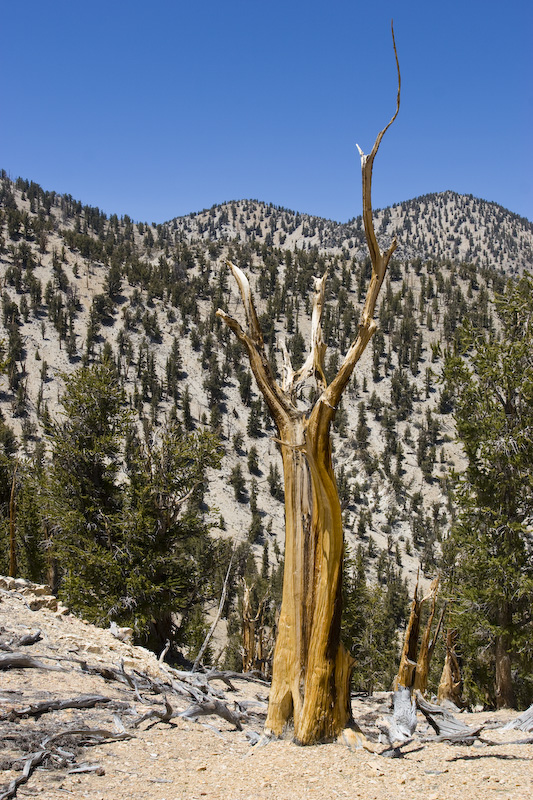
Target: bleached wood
314,363
380,261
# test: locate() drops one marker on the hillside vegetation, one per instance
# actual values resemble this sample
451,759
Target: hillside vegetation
105,307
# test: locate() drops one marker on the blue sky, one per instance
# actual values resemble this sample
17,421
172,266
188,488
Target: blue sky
159,109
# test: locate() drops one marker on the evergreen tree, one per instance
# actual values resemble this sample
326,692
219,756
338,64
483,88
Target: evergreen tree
84,500
165,547
489,557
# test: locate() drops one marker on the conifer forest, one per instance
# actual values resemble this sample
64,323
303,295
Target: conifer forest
141,473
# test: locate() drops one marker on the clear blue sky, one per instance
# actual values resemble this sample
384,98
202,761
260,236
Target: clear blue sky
155,109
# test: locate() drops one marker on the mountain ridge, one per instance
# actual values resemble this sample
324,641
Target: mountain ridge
404,219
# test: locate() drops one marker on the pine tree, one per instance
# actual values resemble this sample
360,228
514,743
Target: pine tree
489,552
84,500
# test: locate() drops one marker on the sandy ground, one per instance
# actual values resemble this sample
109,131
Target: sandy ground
208,758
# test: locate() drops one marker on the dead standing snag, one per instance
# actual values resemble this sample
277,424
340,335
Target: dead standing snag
311,669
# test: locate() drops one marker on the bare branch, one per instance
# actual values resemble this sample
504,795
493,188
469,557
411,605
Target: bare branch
278,401
379,260
254,329
287,380
219,612
315,360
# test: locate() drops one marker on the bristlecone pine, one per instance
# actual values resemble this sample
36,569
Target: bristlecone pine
311,668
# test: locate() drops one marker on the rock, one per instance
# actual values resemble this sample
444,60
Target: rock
124,634
44,601
91,647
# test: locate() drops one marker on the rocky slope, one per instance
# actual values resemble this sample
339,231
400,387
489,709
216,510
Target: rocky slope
115,742
75,282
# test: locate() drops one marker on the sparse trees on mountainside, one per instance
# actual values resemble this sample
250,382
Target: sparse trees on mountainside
489,555
92,287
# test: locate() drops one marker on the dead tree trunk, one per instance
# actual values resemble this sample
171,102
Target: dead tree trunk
503,684
253,634
414,662
450,686
311,669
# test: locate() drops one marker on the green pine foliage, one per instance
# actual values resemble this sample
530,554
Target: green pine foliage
372,618
488,555
121,520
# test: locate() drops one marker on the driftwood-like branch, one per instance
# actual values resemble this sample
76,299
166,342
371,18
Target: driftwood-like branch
212,706
162,716
29,638
446,726
99,734
23,661
254,676
35,710
524,722
29,765
276,399
314,363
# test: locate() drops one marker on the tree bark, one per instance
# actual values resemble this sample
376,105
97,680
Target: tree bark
311,668
414,662
450,686
12,535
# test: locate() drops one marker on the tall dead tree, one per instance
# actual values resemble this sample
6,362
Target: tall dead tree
311,668
413,671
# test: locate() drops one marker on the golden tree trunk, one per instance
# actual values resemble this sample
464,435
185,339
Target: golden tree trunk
311,669
450,685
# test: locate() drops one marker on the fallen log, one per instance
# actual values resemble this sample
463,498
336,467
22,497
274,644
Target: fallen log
29,639
35,710
162,716
523,723
446,726
100,734
212,706
23,661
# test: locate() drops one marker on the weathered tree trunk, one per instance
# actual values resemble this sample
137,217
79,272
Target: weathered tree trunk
427,643
414,662
311,669
450,686
12,535
253,634
406,670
